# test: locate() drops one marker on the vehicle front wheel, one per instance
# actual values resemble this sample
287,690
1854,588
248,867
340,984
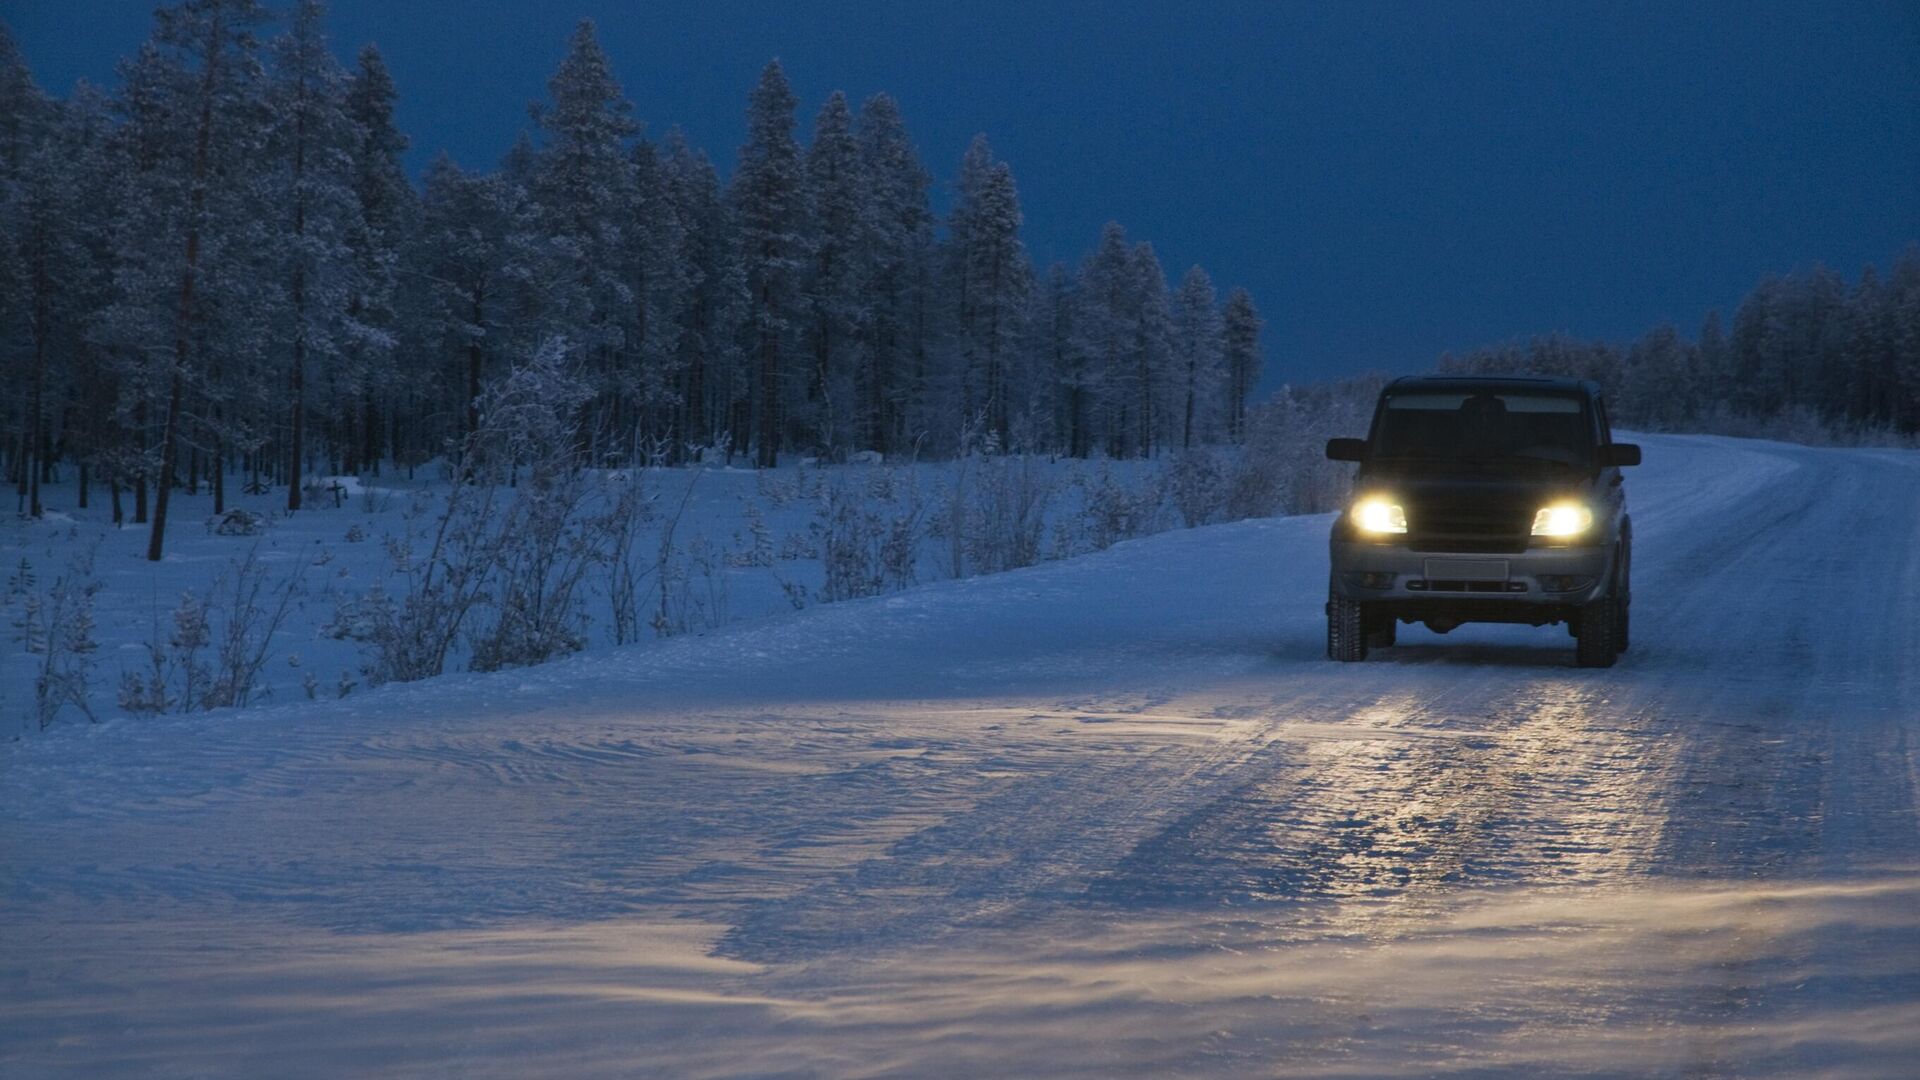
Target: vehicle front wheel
1346,632
1597,633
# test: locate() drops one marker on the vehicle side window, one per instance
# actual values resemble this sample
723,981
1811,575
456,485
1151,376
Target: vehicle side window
1606,426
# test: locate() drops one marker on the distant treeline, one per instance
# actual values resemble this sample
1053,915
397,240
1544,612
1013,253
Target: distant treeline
219,266
1807,356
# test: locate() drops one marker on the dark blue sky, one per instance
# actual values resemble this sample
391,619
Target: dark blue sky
1389,179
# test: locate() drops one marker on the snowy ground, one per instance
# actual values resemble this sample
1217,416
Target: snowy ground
1109,816
744,544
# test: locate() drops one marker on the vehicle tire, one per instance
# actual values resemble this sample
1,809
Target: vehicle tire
1382,631
1596,633
1346,637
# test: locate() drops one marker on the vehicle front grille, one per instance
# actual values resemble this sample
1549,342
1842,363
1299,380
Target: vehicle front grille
1466,529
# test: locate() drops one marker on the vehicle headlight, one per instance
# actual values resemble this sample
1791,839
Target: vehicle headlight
1562,519
1377,515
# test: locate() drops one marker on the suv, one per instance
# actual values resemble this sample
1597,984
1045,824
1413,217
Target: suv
1484,499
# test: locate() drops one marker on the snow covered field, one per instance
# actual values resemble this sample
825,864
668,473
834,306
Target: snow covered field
1106,816
738,544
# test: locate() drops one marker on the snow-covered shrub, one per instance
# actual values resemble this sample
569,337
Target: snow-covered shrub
237,620
629,512
1112,510
866,544
1005,518
522,554
777,489
1197,485
361,619
174,673
692,589
759,544
66,645
849,536
237,522
549,542
29,624
795,546
1283,467
249,613
355,533
446,563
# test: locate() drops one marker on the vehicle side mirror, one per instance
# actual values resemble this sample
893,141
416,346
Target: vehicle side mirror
1346,449
1620,453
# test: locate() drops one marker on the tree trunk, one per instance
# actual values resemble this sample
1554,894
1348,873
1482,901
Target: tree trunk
1186,439
474,357
299,394
369,433
769,413
183,323
36,422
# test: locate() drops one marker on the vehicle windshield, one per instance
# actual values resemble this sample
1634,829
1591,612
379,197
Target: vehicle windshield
1485,427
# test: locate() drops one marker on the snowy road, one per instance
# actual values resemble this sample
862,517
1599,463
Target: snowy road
1113,816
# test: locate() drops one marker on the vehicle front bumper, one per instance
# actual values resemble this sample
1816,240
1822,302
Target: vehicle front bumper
1399,577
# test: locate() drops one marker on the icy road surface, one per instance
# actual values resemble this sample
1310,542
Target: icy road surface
1113,816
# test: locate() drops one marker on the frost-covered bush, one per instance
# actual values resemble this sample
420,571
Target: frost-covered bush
57,626
218,643
361,619
237,522
866,546
1004,517
1283,468
1113,510
549,542
1197,484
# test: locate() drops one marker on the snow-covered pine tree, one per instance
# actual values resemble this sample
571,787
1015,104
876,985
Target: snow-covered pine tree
1654,378
146,187
768,204
80,142
199,191
312,143
387,209
897,255
581,185
1196,353
661,280
28,231
1104,321
1240,327
834,288
25,115
1059,367
990,280
1155,383
23,109
707,366
1900,304
459,265
1003,279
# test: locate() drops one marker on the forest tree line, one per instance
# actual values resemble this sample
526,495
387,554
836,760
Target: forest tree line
1807,355
221,267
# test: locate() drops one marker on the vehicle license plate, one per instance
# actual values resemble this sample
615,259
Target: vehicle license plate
1466,569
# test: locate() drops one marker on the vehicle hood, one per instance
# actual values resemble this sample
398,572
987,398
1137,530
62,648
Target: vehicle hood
1420,487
